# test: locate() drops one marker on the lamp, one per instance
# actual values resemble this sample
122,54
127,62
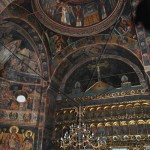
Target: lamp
21,96
81,137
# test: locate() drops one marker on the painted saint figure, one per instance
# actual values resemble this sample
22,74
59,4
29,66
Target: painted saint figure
28,141
64,14
103,10
78,14
70,15
28,136
12,140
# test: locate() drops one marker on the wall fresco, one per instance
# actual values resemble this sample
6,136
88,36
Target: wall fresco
12,111
26,38
17,138
130,44
26,70
143,37
18,59
31,34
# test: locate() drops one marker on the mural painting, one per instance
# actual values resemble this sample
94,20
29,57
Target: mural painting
78,14
17,58
23,71
11,110
97,43
17,138
143,37
19,70
56,42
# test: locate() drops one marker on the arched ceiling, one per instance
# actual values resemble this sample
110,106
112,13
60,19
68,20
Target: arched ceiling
111,74
76,67
73,18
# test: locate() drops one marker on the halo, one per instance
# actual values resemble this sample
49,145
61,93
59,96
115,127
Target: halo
31,133
10,129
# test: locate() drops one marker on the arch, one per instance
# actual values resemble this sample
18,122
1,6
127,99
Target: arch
95,40
133,66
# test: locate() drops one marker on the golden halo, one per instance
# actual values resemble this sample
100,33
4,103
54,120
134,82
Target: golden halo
31,133
12,127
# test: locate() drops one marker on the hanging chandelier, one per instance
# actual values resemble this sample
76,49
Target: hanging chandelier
80,137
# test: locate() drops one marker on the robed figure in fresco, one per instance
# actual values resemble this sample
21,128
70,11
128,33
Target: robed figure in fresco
103,9
78,14
12,140
18,141
65,12
28,141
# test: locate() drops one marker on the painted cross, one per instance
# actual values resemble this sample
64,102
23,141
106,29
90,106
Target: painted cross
98,65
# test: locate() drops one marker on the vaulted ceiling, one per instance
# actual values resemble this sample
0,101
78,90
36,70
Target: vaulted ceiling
47,46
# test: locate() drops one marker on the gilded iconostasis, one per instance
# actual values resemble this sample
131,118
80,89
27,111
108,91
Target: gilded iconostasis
48,48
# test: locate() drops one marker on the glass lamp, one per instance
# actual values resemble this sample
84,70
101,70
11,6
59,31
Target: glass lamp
21,96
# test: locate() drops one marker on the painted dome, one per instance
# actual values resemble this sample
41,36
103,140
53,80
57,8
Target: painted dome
78,17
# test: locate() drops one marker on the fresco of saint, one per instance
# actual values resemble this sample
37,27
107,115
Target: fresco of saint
12,140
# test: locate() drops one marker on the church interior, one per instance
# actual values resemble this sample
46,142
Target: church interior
74,75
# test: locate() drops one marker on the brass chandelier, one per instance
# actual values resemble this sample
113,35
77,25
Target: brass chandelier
80,137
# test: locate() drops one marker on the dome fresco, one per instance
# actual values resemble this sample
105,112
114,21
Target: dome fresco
78,18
